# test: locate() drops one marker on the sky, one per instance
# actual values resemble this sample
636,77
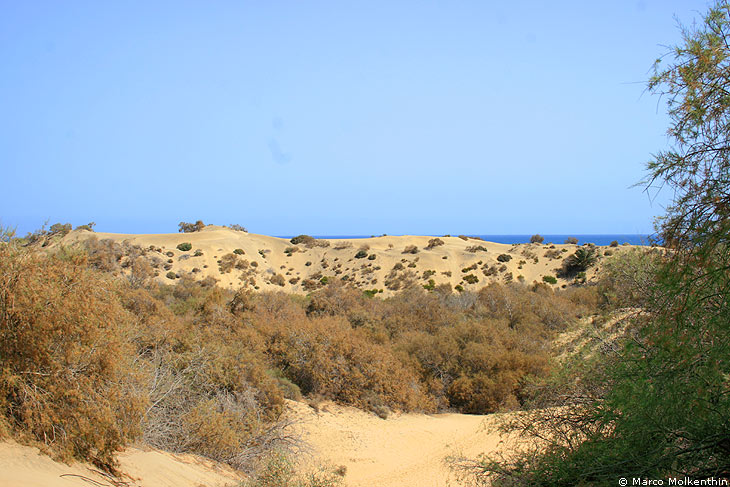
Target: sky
333,118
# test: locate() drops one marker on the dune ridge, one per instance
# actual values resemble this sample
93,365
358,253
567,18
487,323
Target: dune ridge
386,264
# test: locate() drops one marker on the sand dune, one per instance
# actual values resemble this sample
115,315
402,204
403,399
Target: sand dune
402,451
25,466
271,263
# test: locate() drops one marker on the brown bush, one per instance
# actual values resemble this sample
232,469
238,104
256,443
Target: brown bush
410,249
66,378
277,279
185,227
434,242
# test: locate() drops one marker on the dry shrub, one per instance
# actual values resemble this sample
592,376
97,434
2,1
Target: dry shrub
185,227
434,242
227,263
66,378
278,280
410,249
326,356
396,282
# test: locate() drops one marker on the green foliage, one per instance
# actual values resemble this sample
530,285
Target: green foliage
656,404
171,275
361,254
430,286
185,246
239,251
550,279
59,229
504,257
471,279
372,257
580,261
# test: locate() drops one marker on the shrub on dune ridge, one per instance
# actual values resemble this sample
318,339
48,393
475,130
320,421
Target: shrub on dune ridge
434,242
185,227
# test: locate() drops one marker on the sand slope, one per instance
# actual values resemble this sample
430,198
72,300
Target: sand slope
265,263
25,466
402,451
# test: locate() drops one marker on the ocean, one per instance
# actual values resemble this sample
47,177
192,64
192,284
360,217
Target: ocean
599,239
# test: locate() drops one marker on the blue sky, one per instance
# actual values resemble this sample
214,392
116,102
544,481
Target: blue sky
398,117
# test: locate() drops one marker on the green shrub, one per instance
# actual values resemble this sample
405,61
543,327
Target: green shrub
504,258
549,279
361,254
185,246
614,243
171,275
371,257
580,261
239,251
60,229
471,279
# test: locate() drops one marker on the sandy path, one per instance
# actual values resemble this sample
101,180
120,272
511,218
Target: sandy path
404,450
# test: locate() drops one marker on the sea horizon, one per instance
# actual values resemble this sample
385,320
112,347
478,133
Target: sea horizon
597,239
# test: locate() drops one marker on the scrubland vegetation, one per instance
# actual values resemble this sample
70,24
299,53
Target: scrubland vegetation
653,402
94,359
